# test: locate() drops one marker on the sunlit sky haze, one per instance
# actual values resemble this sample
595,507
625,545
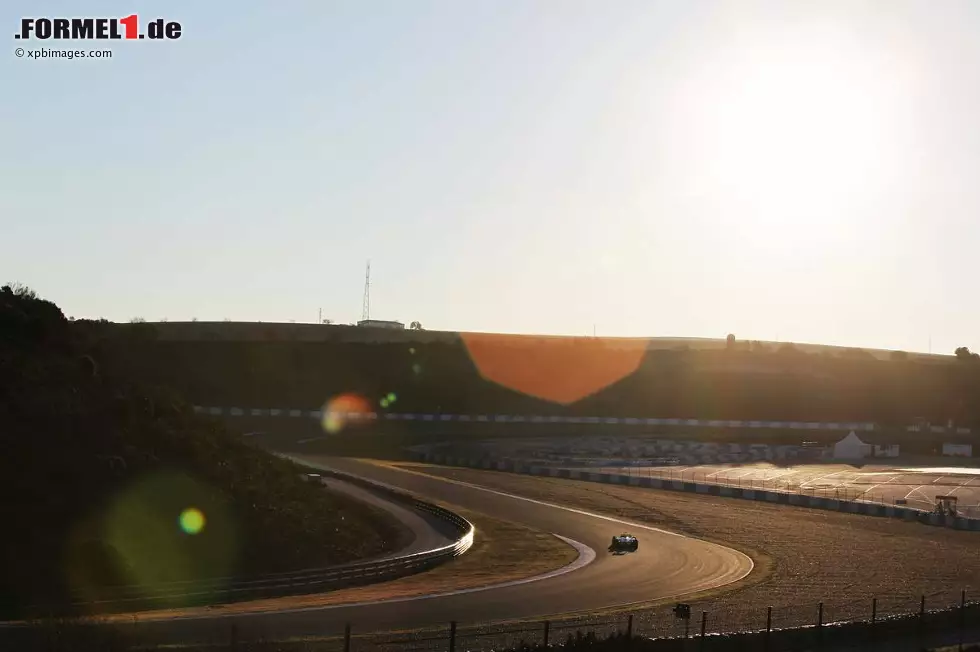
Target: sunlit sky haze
794,170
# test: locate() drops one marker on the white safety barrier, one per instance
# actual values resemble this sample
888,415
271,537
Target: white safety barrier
508,418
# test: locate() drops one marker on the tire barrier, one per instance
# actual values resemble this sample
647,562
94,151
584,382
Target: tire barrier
763,495
274,585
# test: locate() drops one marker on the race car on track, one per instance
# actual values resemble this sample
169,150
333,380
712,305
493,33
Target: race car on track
624,543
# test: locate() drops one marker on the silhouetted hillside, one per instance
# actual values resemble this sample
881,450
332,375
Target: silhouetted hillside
106,481
572,376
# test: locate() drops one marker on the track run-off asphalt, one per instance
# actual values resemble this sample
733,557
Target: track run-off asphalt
666,566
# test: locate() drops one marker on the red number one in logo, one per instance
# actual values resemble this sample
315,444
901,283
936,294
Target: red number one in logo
129,22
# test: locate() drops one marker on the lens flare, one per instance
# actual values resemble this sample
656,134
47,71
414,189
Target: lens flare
153,533
192,520
558,369
341,411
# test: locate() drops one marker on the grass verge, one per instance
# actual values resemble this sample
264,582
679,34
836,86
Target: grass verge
503,551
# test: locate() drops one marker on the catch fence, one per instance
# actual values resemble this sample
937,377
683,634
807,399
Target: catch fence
895,621
921,616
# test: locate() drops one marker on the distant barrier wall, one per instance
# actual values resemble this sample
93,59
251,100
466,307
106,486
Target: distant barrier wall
509,418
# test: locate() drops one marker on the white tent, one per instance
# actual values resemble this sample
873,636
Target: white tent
851,448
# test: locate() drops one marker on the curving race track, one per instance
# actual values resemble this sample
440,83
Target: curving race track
667,565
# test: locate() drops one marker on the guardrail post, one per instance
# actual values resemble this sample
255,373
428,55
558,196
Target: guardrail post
922,607
452,636
874,610
547,628
629,627
234,637
704,624
347,637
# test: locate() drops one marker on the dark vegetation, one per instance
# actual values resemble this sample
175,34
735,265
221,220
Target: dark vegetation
744,381
96,469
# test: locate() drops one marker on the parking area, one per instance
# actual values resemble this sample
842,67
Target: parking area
889,484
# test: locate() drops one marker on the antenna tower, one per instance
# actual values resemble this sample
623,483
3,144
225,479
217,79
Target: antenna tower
366,309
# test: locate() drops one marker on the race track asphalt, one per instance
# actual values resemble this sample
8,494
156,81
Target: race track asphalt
667,565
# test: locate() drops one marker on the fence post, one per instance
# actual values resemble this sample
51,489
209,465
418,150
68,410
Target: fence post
704,623
820,625
347,637
768,627
234,637
547,627
920,630
962,618
874,610
452,636
629,627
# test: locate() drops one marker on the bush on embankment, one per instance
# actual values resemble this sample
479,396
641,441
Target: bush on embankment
100,476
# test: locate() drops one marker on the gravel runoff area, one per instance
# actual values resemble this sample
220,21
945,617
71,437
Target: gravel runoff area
917,486
911,481
804,557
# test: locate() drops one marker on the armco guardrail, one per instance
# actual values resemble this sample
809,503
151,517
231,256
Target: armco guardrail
763,495
464,526
228,589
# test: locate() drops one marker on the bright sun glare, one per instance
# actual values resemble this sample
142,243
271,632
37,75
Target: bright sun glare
790,138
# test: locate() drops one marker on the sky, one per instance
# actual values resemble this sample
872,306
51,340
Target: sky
783,170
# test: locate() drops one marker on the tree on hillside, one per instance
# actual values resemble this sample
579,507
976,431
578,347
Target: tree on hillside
898,356
964,353
730,342
416,326
20,290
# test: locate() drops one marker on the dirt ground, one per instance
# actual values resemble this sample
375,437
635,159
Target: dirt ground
502,552
842,560
917,486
